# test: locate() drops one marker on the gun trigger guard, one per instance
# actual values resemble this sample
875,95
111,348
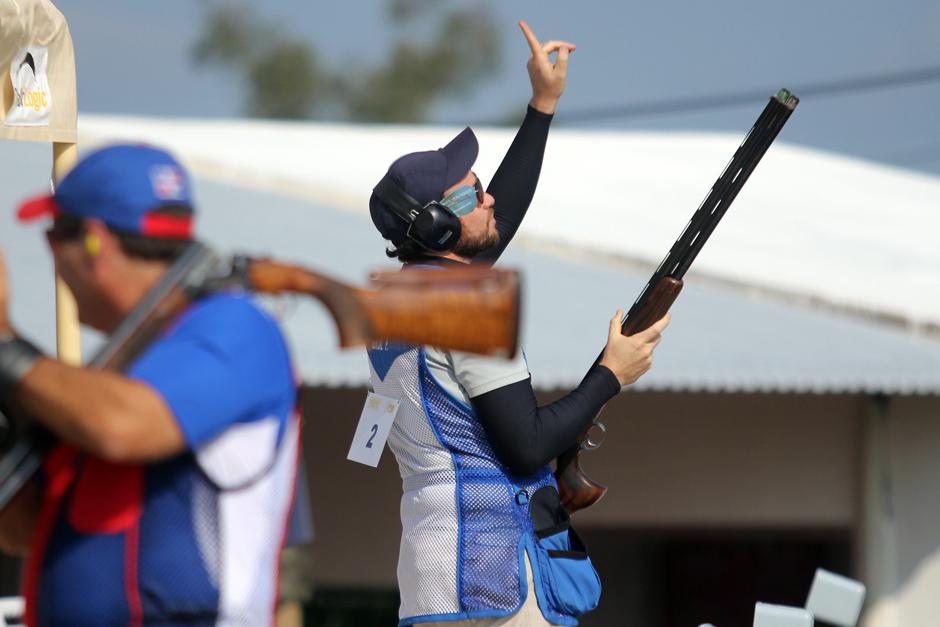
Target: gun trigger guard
596,434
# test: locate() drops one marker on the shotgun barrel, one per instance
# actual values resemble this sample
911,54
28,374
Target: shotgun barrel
576,489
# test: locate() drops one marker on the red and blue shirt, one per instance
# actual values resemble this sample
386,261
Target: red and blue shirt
194,539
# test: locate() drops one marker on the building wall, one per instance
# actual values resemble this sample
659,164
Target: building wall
727,460
670,460
902,546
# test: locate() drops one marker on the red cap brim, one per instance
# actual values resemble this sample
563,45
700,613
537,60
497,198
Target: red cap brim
38,207
167,226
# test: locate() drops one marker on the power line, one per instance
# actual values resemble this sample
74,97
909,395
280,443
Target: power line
719,101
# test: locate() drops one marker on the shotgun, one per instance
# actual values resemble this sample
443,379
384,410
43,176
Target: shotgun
471,309
576,489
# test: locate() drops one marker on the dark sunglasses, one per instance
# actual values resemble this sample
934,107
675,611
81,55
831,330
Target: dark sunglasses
65,228
478,187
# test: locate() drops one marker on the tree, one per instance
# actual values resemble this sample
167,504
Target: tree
284,78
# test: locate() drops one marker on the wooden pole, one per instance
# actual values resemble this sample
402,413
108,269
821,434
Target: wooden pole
68,336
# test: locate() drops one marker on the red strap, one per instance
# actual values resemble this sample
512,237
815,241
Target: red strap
107,498
131,586
59,468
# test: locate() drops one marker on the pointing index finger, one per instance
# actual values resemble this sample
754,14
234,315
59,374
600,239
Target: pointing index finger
531,38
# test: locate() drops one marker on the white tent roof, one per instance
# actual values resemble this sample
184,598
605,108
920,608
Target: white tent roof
829,228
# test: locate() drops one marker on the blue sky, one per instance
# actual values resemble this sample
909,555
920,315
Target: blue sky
133,58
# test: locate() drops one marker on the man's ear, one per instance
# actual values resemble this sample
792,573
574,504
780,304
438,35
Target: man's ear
101,245
92,245
99,241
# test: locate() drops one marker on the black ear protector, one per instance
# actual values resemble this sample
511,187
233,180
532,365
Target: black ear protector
433,225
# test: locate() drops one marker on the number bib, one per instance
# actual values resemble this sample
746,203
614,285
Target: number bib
375,422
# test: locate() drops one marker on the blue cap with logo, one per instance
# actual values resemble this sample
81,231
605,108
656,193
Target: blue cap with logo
125,186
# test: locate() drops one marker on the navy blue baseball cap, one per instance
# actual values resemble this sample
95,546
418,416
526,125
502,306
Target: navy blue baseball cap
425,176
124,186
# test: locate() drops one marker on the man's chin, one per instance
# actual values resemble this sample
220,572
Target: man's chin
472,249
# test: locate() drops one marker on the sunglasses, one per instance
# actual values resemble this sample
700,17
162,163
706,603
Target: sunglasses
465,198
65,228
478,188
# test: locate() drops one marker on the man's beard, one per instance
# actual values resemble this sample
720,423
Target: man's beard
469,248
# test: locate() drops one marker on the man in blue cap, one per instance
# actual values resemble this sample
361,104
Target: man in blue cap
485,540
166,500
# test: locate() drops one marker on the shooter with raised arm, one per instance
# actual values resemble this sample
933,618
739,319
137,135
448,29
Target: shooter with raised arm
482,522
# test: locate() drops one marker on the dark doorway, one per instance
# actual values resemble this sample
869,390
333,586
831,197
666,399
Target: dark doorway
352,607
10,569
686,578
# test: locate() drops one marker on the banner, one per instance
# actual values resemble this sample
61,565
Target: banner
37,73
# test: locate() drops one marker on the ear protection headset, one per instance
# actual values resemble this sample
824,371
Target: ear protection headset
433,225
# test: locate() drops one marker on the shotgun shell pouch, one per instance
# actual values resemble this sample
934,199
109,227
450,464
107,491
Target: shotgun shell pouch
571,584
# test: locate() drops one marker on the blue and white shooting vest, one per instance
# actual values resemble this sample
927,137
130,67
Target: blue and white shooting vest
466,522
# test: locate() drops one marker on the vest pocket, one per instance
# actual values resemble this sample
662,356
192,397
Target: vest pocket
570,582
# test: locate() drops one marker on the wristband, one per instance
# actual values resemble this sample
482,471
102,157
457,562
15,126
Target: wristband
17,358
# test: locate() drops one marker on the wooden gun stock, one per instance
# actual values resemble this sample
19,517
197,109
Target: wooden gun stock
575,488
470,309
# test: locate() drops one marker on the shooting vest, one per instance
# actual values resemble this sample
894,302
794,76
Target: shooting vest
466,522
193,539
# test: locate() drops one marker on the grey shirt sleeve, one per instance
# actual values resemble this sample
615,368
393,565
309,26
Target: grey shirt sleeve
466,375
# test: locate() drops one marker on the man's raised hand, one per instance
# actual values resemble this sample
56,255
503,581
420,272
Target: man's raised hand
629,357
547,78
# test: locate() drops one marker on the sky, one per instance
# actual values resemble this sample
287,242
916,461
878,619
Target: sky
133,58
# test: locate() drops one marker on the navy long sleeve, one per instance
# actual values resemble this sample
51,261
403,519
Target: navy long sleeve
513,185
525,436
